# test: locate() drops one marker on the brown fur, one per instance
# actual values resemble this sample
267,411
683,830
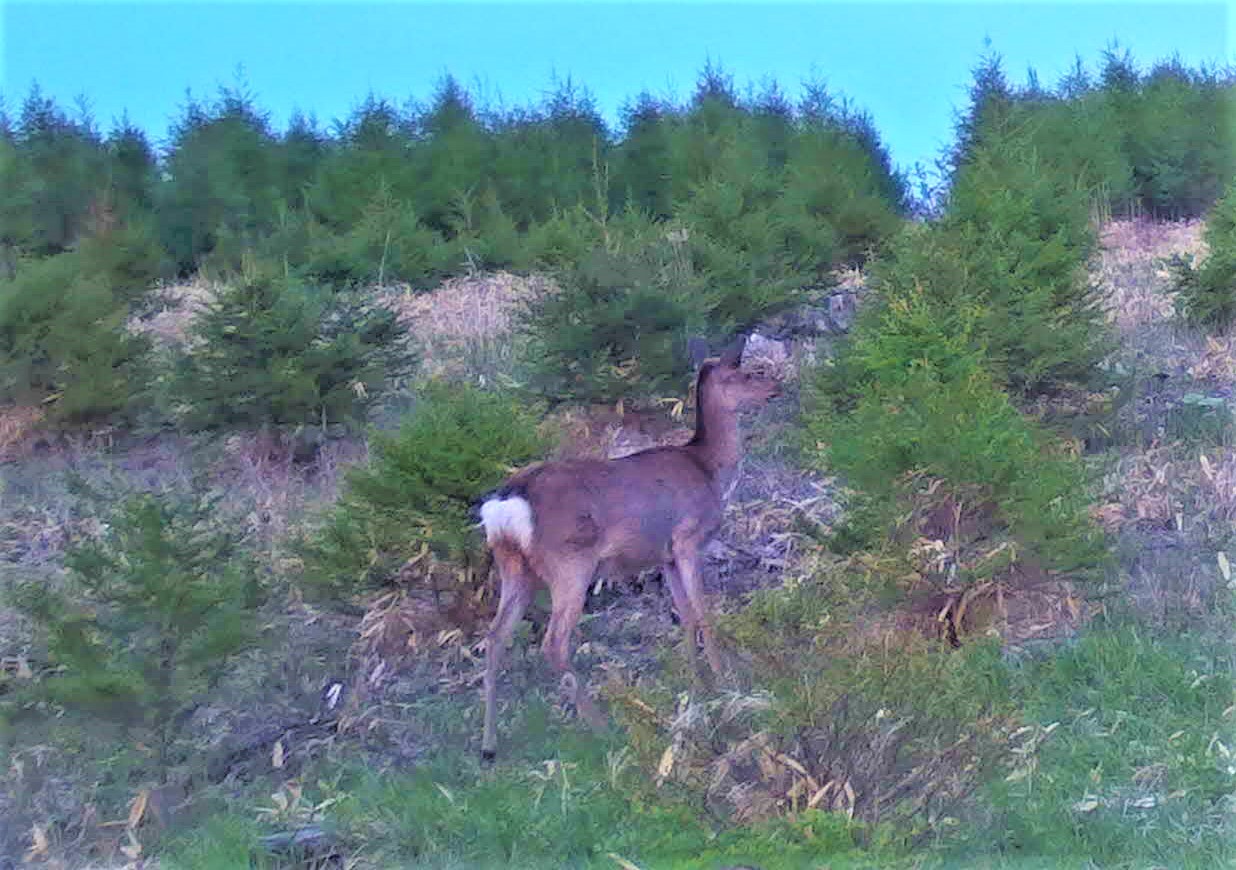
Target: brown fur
653,508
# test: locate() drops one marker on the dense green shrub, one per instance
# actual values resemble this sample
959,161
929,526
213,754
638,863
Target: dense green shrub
418,488
918,398
736,238
565,238
988,303
620,323
63,335
454,158
16,213
66,166
1157,141
842,198
132,171
1206,293
1019,232
387,243
546,157
270,351
222,181
153,614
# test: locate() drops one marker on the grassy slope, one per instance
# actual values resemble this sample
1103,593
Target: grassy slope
1124,758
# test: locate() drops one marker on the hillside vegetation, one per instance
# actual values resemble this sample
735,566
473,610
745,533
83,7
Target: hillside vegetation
973,589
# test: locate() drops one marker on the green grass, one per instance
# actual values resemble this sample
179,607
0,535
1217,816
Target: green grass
1200,421
559,798
222,842
1126,761
562,798
1123,762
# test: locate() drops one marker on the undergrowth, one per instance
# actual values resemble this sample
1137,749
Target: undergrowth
562,798
1126,755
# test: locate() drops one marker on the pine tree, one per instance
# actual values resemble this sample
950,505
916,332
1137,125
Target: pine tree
270,351
223,185
65,159
151,616
1206,293
418,489
63,335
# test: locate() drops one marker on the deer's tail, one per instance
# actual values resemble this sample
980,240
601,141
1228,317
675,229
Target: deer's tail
507,517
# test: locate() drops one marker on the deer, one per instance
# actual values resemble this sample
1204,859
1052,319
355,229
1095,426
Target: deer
560,523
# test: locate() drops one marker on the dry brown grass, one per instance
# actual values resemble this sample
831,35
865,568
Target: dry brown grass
1169,496
1164,488
467,321
1216,361
17,427
1131,273
168,324
270,491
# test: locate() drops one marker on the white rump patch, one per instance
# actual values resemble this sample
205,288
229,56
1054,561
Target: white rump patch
508,518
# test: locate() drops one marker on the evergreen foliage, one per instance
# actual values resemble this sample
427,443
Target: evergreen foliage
270,351
913,395
1158,141
987,304
1020,238
153,613
132,172
223,181
1206,293
65,160
411,193
621,322
417,491
63,335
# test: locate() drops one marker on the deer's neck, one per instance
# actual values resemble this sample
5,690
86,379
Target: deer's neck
717,442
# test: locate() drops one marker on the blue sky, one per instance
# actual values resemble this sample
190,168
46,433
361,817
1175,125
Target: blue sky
908,63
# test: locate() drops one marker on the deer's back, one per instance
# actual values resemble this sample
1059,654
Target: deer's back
626,512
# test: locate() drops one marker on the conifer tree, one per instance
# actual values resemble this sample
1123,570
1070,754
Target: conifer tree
151,616
271,351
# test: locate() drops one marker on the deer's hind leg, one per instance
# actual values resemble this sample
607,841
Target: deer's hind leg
686,614
686,551
517,582
568,586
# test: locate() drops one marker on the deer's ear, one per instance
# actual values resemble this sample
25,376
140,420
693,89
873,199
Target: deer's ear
698,349
732,355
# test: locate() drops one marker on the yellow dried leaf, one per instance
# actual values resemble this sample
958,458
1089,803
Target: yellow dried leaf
792,763
622,862
815,800
1088,805
133,849
276,754
666,764
137,809
38,842
1225,567
1207,469
23,669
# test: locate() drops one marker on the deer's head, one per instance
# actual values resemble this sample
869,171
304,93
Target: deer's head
728,387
